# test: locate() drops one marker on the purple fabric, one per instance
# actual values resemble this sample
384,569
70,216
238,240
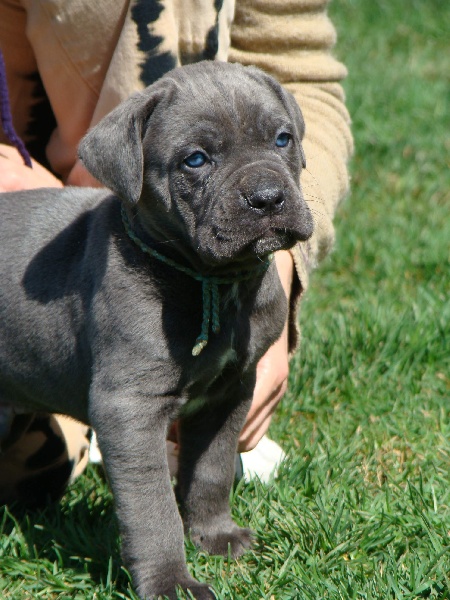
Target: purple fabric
6,118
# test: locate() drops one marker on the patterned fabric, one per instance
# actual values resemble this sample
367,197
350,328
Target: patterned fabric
40,457
70,62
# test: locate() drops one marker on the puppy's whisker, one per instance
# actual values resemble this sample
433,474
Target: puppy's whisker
311,175
308,184
317,213
317,222
318,208
310,198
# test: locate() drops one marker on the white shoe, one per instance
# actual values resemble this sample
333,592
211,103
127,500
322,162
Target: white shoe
263,461
94,451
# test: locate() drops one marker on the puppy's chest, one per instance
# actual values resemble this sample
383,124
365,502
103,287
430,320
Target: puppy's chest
229,353
249,319
238,328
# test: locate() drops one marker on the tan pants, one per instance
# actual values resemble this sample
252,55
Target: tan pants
43,455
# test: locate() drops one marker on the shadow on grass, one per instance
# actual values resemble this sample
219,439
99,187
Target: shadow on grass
78,534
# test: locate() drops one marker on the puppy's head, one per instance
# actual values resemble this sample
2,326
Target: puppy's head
211,157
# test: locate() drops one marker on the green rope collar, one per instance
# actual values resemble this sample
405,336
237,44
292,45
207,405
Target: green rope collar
210,285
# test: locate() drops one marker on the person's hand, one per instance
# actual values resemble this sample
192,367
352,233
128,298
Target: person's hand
271,374
79,176
14,175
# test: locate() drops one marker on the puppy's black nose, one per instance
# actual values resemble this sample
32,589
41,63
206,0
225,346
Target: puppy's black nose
267,200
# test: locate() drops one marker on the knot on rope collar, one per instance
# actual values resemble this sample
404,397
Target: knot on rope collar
210,285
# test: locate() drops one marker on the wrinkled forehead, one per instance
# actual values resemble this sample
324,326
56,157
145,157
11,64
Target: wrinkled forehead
228,102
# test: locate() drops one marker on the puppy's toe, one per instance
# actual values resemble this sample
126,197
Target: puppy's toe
202,592
199,591
237,540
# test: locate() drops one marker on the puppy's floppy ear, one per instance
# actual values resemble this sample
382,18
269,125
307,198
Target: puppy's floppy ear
112,150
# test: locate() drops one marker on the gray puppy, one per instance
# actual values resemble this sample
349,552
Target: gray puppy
130,308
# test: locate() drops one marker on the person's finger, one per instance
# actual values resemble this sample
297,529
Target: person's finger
14,175
81,177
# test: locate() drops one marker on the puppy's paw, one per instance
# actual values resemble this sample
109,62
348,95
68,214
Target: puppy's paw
199,591
238,539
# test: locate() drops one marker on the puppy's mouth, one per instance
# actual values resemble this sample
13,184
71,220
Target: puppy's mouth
274,240
244,249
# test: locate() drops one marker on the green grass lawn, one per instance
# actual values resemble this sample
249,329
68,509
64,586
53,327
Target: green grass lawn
362,509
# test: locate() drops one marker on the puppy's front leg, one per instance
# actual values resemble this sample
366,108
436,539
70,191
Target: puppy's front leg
208,445
132,433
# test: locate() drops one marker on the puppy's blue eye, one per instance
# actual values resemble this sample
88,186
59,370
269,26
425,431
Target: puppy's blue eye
195,160
283,140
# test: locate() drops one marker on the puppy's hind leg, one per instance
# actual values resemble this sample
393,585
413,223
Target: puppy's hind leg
208,445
